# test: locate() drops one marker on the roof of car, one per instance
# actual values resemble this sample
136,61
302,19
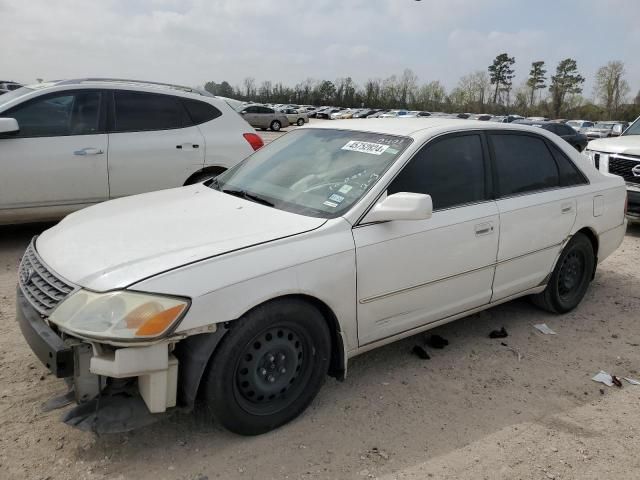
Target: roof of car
120,82
415,126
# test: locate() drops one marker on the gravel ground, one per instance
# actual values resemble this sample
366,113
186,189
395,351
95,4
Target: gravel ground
477,409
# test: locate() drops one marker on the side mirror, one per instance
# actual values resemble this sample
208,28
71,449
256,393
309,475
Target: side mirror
617,130
243,112
401,206
9,125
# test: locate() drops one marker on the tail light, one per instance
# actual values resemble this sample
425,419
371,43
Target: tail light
254,140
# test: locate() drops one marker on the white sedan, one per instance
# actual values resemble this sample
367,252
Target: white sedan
250,288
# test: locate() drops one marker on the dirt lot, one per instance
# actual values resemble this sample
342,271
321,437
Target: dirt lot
473,411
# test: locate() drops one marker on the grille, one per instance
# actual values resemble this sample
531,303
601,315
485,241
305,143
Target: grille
44,289
622,166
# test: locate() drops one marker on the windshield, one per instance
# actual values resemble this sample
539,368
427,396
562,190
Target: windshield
604,126
634,129
314,172
13,94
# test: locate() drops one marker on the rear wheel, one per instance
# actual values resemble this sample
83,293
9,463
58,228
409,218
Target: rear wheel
269,367
570,278
275,126
300,122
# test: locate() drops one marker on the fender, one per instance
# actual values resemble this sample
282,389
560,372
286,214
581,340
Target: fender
193,354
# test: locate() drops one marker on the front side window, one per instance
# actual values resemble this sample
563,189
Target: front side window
634,129
314,172
451,170
139,111
57,115
523,164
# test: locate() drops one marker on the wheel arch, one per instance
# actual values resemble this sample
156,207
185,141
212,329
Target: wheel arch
595,243
195,352
209,169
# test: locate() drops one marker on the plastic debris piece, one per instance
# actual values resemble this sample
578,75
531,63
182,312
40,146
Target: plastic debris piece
603,377
436,341
632,381
420,352
542,327
502,333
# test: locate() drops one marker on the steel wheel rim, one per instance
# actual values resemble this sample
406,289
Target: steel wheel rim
571,274
272,370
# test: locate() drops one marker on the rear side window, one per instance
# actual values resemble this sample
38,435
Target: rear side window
565,130
139,111
523,164
200,112
569,174
450,170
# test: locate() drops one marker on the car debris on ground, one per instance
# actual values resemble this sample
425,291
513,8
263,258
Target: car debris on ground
502,333
420,352
612,380
436,341
544,328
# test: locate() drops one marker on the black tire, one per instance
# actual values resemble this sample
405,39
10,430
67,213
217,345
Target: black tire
268,367
570,278
300,122
202,177
275,126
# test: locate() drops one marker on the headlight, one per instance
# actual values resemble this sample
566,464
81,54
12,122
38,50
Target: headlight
118,315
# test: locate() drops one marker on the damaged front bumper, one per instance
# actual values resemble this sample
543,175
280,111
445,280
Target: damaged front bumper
116,389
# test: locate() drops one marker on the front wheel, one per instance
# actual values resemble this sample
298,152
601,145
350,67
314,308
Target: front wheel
268,367
275,126
570,278
300,122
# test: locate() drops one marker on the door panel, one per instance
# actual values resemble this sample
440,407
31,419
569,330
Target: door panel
152,143
536,213
146,161
59,156
414,272
532,231
46,172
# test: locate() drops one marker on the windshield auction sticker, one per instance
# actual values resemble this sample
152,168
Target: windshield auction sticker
365,147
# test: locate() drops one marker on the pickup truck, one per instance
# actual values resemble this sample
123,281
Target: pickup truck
621,156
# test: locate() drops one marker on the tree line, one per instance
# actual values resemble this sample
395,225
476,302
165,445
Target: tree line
558,95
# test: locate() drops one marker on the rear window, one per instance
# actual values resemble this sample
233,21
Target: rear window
139,111
523,164
200,112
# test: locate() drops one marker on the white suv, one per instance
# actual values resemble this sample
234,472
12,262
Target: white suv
68,144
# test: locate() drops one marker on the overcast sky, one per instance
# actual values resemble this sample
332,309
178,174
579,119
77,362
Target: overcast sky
193,41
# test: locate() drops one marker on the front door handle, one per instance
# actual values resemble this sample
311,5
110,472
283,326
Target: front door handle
483,229
89,151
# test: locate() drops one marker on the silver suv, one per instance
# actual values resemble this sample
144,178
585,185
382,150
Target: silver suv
259,116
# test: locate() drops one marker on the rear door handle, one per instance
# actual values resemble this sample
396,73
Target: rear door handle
89,151
483,229
566,208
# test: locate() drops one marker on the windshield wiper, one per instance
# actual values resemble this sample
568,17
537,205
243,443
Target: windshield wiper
248,196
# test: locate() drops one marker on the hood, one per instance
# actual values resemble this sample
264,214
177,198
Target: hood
120,242
626,144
